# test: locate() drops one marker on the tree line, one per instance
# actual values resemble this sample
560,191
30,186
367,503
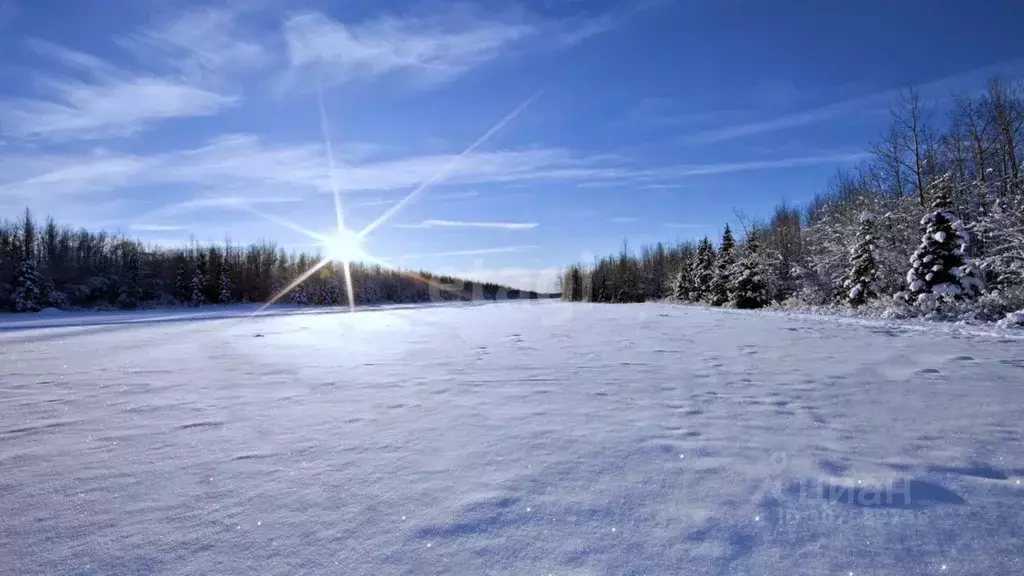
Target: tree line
57,266
931,224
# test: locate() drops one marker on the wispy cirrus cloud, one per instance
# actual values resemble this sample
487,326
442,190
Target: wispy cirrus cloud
431,49
446,196
752,165
793,120
202,43
665,186
473,252
880,101
155,228
97,100
182,64
245,167
470,224
37,176
623,220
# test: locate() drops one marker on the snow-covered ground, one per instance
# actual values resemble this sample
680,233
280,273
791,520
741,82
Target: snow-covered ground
517,438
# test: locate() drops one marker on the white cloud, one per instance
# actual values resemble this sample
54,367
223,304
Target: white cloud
204,203
432,49
599,184
236,168
877,101
202,43
669,186
30,176
436,50
465,224
440,197
155,228
456,195
801,118
103,101
238,159
474,252
623,220
795,162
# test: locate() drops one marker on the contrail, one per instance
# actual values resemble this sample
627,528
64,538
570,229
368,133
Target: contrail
451,164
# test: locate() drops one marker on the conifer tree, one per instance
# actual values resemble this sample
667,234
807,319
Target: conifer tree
749,286
199,281
131,287
27,296
703,273
937,266
182,289
681,288
723,268
299,295
225,287
862,282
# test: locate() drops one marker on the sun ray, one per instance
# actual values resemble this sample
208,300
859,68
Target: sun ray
346,258
346,265
407,273
443,172
339,213
284,222
302,278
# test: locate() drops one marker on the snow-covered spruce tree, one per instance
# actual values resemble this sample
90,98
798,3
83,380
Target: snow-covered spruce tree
27,296
199,282
182,290
225,288
681,286
724,263
54,298
299,295
862,282
702,274
749,285
130,289
938,272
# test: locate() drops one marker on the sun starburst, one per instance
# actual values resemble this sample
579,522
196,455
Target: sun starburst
345,245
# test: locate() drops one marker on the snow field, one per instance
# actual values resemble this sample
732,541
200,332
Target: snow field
518,438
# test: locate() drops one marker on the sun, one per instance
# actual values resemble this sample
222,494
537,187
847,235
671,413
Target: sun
344,246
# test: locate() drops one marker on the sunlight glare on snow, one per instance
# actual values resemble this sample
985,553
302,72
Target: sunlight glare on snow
338,416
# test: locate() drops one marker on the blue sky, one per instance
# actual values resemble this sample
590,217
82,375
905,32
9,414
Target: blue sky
647,120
